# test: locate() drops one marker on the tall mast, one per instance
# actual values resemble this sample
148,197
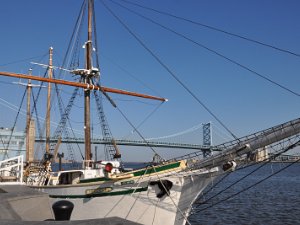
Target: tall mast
50,73
88,67
29,87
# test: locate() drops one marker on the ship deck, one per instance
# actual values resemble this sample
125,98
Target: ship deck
22,205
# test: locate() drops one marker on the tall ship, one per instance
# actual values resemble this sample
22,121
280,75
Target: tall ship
165,188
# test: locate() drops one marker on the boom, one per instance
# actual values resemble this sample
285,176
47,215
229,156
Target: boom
82,85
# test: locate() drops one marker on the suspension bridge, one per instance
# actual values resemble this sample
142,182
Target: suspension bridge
207,148
133,143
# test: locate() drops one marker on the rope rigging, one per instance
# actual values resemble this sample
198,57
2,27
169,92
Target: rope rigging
215,52
214,28
73,50
146,118
14,125
137,131
34,110
166,67
39,128
266,161
23,60
111,151
65,111
249,187
113,62
261,164
74,41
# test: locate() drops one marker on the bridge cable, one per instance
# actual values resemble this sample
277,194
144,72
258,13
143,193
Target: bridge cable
192,129
146,119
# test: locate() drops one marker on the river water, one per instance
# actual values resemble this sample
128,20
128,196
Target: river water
273,201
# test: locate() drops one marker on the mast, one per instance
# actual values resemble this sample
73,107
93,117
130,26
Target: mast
87,74
50,73
87,80
29,87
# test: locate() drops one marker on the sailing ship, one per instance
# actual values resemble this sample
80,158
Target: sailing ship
164,190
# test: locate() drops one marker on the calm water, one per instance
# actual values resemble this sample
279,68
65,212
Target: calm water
274,201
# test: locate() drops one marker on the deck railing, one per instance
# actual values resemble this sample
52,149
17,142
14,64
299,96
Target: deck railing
11,170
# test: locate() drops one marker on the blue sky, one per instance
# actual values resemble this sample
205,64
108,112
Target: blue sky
241,100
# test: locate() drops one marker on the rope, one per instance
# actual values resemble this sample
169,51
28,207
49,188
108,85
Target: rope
129,74
216,53
167,68
220,133
23,60
11,106
251,186
147,117
2,141
125,195
81,154
279,152
76,30
155,211
176,206
138,194
215,29
216,184
134,128
15,122
34,109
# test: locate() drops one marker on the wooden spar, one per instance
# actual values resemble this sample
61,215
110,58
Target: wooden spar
29,87
82,85
87,92
50,71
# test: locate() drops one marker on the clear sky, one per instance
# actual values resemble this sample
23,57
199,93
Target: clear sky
244,102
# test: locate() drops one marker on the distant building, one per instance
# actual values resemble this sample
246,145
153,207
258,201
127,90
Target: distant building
12,143
262,154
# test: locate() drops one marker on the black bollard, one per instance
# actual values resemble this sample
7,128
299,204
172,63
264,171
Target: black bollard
62,210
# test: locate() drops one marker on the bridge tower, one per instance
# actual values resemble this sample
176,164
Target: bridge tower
207,139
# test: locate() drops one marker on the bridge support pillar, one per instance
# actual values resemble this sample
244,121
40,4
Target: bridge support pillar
207,139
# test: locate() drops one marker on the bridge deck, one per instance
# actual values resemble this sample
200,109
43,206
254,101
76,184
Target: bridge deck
136,143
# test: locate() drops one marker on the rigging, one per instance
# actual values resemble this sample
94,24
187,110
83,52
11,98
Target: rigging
13,128
216,53
247,188
168,70
261,164
215,29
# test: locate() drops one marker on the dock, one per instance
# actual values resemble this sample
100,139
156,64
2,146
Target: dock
22,205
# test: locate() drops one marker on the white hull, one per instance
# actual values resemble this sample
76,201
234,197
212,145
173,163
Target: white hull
142,206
